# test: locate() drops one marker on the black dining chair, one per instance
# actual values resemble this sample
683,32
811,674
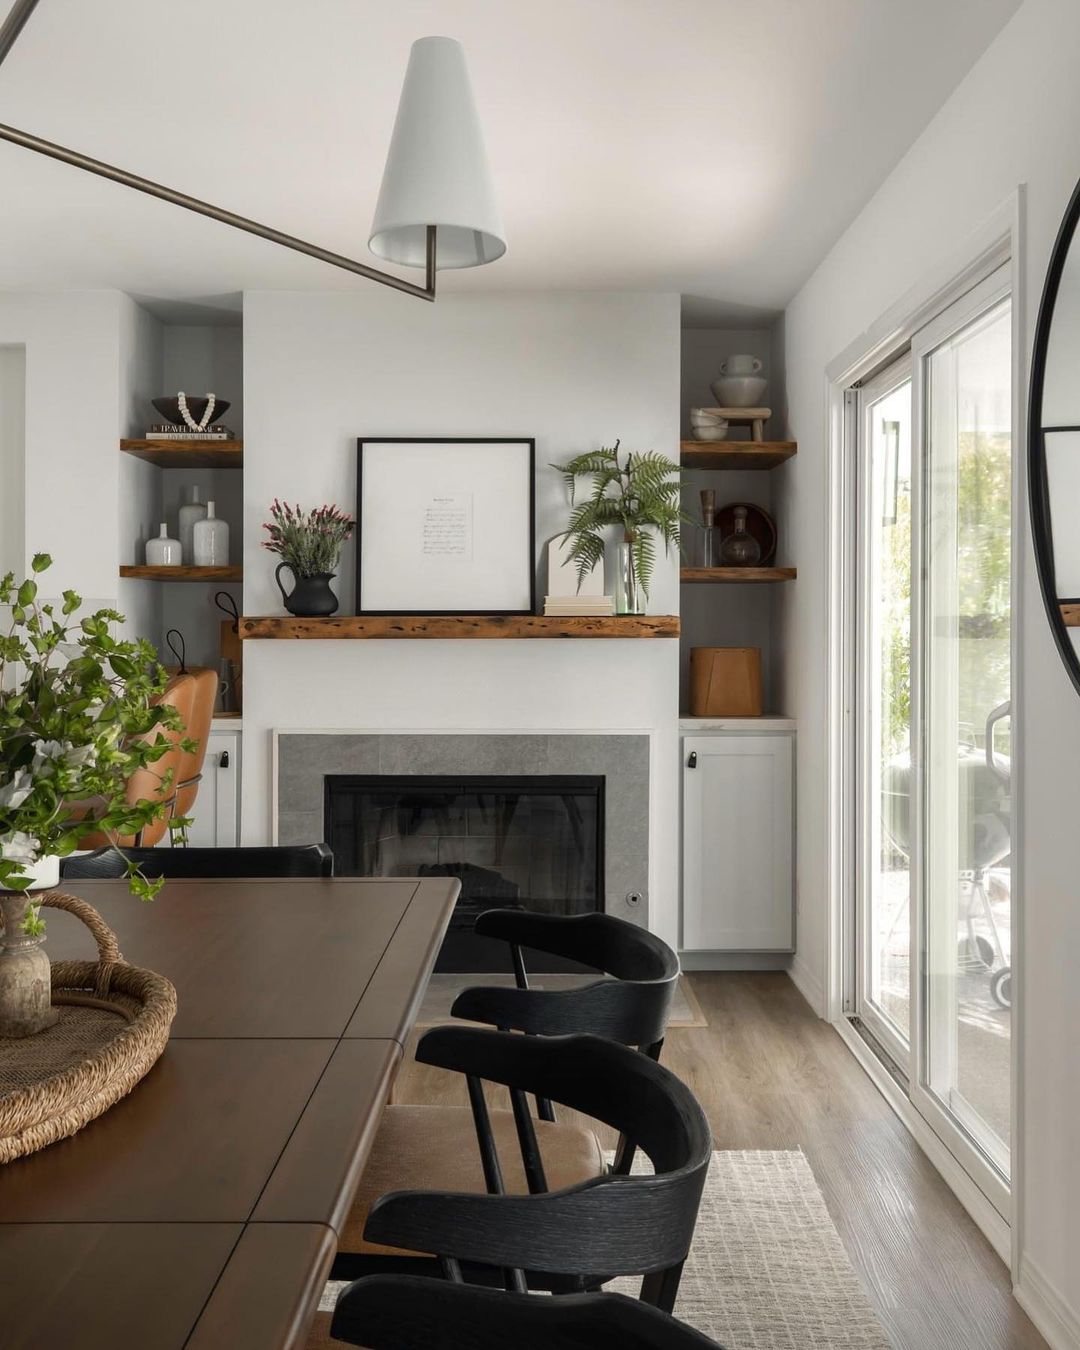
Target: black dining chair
407,1312
571,1239
301,860
434,1147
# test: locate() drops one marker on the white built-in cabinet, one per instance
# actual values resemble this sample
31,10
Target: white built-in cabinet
737,838
216,814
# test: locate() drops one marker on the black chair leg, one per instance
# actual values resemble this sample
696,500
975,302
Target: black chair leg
661,1287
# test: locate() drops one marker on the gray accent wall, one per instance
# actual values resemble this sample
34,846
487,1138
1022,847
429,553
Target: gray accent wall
304,759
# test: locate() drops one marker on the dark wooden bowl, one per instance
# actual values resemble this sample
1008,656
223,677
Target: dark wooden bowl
169,408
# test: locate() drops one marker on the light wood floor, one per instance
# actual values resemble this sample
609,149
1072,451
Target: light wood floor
772,1075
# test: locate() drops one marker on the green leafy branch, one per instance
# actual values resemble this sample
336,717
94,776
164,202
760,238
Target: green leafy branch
79,714
639,495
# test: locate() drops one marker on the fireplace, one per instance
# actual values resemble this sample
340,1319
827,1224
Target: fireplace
534,842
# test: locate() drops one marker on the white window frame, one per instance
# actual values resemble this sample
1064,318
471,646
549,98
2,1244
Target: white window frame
870,391
999,242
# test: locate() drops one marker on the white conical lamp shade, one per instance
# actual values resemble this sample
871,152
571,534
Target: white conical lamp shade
437,172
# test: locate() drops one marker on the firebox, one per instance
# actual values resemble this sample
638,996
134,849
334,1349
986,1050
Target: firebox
534,843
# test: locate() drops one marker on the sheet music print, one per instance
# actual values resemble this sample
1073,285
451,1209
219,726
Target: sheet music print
446,527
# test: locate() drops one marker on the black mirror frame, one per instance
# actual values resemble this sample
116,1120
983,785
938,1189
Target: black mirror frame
1038,482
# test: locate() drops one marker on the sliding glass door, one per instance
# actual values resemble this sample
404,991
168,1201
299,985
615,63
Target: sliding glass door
932,631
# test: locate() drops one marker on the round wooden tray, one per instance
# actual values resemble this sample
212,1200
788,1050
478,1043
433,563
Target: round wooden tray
113,1024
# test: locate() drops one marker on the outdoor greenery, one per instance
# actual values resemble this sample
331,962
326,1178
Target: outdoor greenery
77,717
639,495
983,525
309,541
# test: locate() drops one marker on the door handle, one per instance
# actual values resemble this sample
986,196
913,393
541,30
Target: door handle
223,760
691,763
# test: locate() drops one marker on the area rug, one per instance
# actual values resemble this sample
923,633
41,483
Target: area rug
443,989
767,1269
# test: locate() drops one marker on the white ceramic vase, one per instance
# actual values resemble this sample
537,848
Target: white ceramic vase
163,551
190,512
210,540
739,391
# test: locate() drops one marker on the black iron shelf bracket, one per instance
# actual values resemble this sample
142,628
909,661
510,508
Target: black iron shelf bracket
10,30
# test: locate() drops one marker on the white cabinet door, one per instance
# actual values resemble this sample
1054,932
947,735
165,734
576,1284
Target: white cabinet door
216,813
737,842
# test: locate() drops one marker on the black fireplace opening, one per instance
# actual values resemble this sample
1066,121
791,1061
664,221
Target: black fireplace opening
532,842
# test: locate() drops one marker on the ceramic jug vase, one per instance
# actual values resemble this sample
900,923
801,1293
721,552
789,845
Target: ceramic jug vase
310,597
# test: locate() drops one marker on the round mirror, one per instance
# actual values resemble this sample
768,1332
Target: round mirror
1054,441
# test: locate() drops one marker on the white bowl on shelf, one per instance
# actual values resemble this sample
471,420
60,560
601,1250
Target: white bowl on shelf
707,424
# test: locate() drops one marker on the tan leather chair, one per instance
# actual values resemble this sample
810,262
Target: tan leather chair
147,784
189,774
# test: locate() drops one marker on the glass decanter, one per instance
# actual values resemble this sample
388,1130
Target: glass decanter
709,533
740,549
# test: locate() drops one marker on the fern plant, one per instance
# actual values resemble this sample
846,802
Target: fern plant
639,494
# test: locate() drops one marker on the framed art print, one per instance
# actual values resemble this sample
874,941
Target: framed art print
445,526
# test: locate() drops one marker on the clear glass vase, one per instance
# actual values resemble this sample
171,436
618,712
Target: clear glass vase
629,595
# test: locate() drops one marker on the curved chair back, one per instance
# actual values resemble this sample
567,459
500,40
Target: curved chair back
409,1312
610,1225
189,773
632,1007
304,860
158,781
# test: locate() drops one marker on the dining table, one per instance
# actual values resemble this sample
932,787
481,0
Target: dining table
203,1210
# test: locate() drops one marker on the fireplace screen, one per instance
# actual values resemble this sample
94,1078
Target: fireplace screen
534,843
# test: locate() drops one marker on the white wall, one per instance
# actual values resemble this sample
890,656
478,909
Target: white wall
138,509
574,371
12,459
1016,118
72,420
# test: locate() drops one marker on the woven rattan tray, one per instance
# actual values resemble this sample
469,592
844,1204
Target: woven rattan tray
113,1024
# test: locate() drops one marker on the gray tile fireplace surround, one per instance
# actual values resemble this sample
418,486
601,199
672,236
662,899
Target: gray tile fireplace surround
304,758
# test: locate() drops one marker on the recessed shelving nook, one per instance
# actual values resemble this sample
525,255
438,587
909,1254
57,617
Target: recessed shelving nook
181,347
720,605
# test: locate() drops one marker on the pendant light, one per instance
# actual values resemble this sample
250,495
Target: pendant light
437,172
437,206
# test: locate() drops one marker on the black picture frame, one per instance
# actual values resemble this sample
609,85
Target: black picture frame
528,545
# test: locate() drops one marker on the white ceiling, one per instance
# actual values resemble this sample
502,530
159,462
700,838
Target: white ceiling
711,147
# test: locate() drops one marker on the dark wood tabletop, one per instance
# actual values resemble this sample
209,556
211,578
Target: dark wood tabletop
202,1211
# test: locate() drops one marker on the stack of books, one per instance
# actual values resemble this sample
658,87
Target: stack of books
164,431
566,606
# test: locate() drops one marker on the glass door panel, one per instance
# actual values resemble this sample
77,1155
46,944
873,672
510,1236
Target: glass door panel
964,703
884,900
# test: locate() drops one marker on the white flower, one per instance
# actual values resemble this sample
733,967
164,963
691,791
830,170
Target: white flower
16,790
19,847
78,755
45,752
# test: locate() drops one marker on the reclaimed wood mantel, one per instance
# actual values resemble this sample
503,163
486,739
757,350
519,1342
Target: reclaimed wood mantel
461,626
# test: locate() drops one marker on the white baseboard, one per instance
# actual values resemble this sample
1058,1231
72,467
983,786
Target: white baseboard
989,1222
1055,1319
809,985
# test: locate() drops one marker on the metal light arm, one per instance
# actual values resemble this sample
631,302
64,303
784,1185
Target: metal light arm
11,29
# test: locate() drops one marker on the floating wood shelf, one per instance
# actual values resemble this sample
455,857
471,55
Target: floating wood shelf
462,626
735,454
1070,613
187,454
231,573
736,574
